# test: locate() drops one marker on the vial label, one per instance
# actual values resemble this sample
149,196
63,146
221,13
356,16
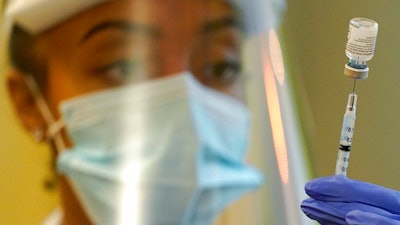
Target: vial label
361,41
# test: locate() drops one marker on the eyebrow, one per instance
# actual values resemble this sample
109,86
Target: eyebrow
123,26
219,24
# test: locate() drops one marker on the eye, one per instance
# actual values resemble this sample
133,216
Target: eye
119,71
222,73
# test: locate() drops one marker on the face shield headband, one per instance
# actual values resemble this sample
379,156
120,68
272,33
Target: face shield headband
258,15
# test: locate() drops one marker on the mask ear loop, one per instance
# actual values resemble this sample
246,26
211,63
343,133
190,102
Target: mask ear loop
54,127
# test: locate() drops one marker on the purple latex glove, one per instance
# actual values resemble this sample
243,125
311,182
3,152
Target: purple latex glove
339,200
357,217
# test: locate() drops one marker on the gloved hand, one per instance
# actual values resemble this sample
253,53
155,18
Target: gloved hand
339,200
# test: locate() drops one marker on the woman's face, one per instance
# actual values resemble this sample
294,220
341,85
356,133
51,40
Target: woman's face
127,41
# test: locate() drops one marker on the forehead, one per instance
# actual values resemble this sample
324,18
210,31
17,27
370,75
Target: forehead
169,16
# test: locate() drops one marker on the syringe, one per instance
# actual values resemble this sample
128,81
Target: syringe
360,48
346,136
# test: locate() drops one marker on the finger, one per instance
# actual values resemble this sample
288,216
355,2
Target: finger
340,188
336,212
357,217
323,212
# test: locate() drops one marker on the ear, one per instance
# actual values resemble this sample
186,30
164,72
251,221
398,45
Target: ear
25,106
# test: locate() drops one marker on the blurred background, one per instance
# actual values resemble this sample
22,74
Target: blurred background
25,167
315,33
313,36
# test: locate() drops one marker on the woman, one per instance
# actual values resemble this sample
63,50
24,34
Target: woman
142,106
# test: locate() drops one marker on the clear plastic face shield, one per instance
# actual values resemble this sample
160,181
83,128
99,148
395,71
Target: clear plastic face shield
276,142
155,101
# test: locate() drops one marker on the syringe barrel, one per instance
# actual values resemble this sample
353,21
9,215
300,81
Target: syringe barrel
346,136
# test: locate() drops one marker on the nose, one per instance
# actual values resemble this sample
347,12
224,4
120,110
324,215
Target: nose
174,57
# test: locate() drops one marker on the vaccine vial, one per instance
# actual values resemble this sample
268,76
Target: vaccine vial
360,46
361,40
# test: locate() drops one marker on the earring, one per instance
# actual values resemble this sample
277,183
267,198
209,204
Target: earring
38,135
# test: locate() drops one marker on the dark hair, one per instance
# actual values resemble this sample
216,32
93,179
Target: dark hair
24,56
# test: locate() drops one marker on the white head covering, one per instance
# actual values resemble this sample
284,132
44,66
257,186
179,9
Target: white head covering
36,16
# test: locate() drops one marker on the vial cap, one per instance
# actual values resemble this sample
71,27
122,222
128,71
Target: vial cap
356,73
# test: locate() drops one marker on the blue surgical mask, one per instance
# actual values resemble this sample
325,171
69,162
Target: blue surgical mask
168,151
